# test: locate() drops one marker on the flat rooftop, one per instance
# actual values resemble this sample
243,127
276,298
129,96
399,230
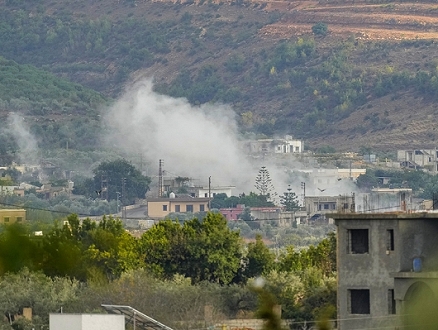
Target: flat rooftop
385,215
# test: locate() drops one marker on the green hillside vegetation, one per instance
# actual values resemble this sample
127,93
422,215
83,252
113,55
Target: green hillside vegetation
57,112
185,266
211,52
39,93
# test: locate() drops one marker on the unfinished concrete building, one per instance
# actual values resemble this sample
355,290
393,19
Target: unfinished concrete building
385,262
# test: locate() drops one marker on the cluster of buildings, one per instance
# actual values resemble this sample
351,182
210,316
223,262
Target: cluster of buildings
387,246
37,173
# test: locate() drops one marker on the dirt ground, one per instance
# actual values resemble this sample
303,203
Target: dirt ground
395,21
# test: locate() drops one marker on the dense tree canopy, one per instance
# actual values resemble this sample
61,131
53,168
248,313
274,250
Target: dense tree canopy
251,200
120,178
175,261
204,250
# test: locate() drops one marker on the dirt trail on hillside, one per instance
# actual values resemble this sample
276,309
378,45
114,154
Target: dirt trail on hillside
369,21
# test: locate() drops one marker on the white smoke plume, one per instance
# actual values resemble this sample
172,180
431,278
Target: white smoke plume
197,142
27,143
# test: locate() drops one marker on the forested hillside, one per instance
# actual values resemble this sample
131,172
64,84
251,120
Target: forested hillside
314,80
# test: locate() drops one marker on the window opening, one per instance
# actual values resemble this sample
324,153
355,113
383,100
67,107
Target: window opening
359,301
391,302
358,241
390,240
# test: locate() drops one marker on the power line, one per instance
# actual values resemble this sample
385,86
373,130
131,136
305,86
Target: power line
43,209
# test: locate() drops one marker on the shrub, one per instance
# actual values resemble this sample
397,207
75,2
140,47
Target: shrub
320,29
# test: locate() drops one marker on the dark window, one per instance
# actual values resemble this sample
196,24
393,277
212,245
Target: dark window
189,208
206,195
202,208
359,301
345,206
391,302
19,219
177,208
164,207
390,240
6,219
326,206
358,241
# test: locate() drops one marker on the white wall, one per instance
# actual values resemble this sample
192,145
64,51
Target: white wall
86,322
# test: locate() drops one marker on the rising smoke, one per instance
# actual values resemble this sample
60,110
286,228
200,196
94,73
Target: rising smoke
196,142
28,147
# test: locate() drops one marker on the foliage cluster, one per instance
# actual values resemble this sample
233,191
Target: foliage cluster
43,39
33,91
326,84
251,200
120,179
88,251
320,29
58,112
177,262
423,184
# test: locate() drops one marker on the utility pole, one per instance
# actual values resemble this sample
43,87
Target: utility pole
118,201
160,177
209,193
123,198
103,187
303,186
353,202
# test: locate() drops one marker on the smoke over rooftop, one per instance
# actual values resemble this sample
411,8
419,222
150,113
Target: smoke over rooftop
193,141
199,142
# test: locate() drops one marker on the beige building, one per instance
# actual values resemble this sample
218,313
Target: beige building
8,216
159,208
425,159
329,204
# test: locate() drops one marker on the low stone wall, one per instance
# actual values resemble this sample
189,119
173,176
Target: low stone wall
245,324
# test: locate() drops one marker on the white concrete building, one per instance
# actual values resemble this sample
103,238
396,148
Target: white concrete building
204,191
86,322
286,145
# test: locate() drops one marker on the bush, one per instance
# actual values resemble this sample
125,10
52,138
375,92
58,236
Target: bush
320,29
